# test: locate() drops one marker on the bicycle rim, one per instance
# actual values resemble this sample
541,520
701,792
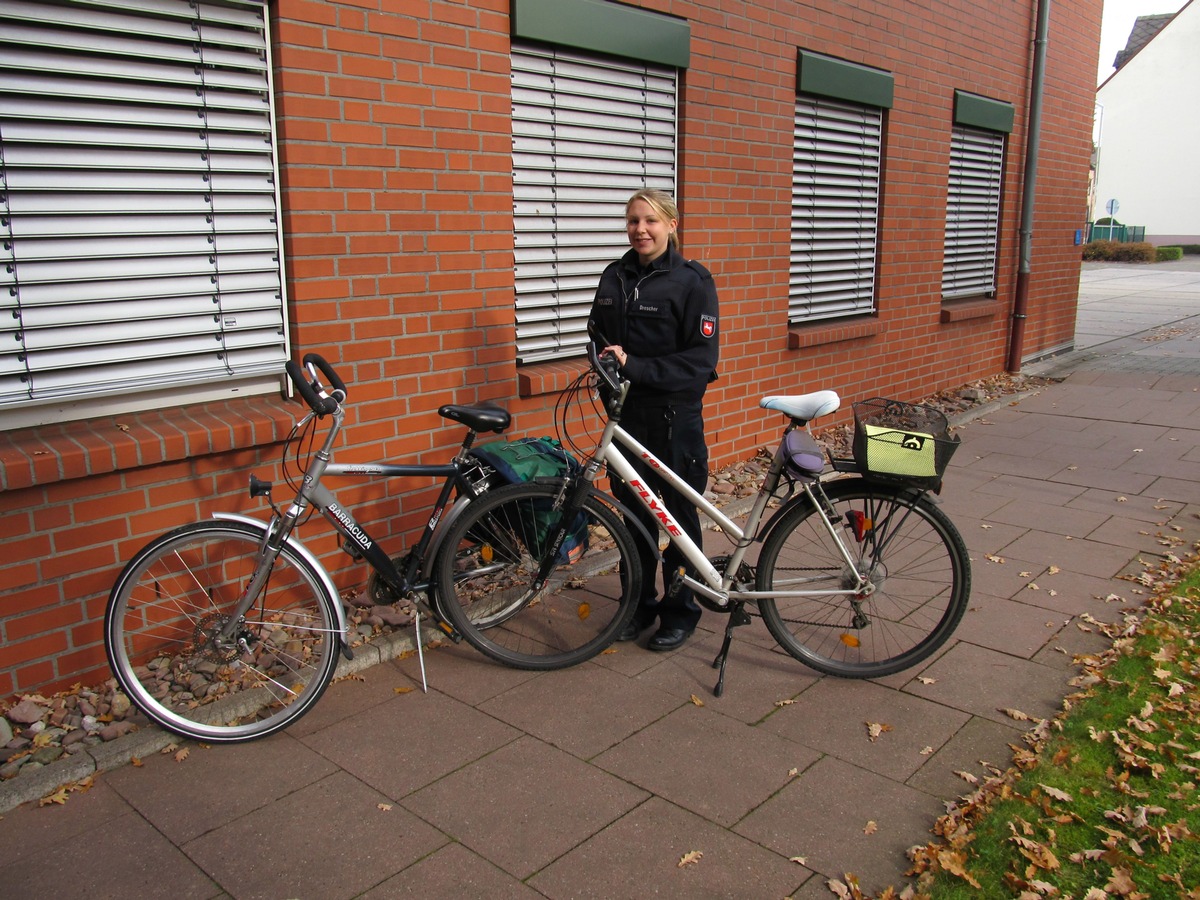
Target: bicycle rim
487,568
162,629
915,559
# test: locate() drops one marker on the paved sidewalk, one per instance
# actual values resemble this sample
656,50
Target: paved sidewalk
595,781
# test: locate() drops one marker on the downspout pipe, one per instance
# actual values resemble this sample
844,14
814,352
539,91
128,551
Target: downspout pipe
1033,141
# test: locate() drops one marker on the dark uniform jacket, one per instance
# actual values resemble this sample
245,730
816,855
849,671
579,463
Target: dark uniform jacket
665,318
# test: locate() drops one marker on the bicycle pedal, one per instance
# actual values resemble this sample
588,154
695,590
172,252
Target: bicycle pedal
676,583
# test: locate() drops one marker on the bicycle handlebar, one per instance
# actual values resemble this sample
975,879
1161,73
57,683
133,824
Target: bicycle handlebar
606,367
312,390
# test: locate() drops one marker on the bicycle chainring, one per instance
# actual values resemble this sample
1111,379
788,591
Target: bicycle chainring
745,578
380,592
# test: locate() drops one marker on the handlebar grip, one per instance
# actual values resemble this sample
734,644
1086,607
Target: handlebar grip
320,405
316,359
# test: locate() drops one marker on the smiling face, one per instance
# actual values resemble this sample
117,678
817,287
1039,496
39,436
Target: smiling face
649,233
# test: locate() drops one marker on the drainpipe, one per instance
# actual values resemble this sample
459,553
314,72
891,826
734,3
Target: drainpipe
1033,140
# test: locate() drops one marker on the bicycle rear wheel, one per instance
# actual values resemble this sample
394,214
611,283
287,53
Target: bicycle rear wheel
161,634
913,555
486,569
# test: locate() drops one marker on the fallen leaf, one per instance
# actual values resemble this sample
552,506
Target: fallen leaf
967,777
871,827
1053,570
59,796
136,762
402,690
802,860
926,680
386,807
875,729
926,750
181,754
792,773
1016,714
1056,793
690,858
784,702
697,701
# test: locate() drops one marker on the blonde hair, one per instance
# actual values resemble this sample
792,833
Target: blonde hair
662,203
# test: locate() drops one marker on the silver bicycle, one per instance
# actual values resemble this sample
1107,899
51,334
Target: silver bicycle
857,575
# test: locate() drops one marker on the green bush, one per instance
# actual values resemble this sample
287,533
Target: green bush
1098,250
1167,254
1191,249
1116,251
1140,252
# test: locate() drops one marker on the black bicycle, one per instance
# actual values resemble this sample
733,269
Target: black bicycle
230,629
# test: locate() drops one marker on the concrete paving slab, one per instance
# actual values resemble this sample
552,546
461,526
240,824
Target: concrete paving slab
836,715
525,805
121,858
639,856
332,839
574,709
708,763
177,796
452,873
843,819
409,742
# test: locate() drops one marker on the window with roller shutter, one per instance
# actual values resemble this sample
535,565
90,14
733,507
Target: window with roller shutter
588,131
141,233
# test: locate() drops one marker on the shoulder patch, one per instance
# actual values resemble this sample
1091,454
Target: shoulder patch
708,326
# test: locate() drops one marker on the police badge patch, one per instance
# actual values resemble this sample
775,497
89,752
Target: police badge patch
708,326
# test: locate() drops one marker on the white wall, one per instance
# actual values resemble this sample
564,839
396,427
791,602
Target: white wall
1150,134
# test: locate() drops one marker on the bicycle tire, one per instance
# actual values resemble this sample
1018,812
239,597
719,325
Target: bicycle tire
484,572
161,620
917,562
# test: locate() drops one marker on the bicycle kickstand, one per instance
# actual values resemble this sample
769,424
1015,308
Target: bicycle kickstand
737,616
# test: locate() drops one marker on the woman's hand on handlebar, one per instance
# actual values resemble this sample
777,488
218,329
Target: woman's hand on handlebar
617,352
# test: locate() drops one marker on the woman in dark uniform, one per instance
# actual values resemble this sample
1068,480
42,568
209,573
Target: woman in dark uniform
658,312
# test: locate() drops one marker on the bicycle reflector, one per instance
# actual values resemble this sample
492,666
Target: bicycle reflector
860,524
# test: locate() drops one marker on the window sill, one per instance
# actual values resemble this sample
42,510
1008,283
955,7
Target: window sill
49,454
974,308
548,377
832,332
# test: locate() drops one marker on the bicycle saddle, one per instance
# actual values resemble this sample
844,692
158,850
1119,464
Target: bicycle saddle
805,407
478,416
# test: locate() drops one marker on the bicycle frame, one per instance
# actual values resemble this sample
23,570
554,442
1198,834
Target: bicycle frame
714,586
358,542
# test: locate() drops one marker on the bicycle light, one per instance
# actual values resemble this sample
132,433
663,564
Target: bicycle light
259,488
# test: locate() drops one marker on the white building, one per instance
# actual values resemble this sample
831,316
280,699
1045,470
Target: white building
1149,130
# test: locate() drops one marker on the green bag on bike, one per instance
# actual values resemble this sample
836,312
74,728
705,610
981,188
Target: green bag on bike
528,459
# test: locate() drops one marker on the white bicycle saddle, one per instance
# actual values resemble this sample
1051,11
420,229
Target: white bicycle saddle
803,406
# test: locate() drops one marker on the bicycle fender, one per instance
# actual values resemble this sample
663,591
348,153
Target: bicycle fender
629,517
833,488
449,517
307,555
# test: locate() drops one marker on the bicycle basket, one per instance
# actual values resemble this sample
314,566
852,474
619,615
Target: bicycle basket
896,441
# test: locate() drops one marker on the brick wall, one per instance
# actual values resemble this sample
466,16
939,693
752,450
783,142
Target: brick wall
394,138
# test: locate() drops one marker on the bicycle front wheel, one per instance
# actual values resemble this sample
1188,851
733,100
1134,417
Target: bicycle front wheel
488,564
168,643
913,555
